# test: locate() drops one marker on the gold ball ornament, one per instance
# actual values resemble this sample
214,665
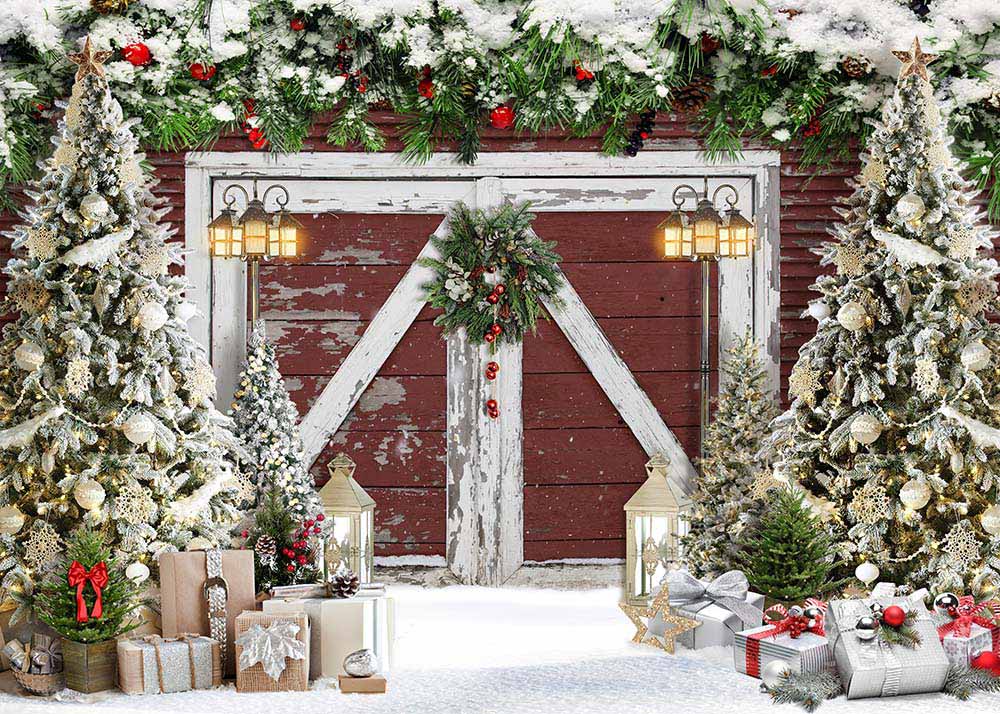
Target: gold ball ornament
138,429
915,494
866,428
199,543
976,356
11,520
852,316
990,520
94,208
910,208
89,494
29,356
152,316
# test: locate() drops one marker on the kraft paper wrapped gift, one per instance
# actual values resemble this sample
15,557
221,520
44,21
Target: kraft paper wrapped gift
723,606
153,665
294,675
875,669
755,648
341,626
182,595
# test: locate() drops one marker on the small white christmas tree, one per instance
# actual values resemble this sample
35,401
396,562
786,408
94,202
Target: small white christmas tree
896,399
267,421
106,415
729,495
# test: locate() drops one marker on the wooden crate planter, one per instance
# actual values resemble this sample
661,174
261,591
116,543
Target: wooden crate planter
90,667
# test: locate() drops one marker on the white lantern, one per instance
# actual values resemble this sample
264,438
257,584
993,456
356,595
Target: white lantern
89,494
94,208
976,356
867,573
915,494
139,428
866,428
199,543
910,207
152,316
137,572
991,520
11,520
852,316
819,310
350,530
29,356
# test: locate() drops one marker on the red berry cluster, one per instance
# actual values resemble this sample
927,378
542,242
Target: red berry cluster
426,87
584,77
252,126
137,54
201,72
813,128
492,408
297,24
298,553
344,61
502,117
493,333
491,370
769,71
39,113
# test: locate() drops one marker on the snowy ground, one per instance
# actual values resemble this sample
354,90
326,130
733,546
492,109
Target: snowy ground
466,649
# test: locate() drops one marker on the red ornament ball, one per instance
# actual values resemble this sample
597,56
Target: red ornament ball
491,376
201,72
894,616
496,329
137,54
493,299
297,24
500,289
502,117
986,660
489,337
491,404
426,88
493,413
493,366
290,568
320,517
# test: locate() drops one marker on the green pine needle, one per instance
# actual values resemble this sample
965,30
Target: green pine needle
962,682
807,689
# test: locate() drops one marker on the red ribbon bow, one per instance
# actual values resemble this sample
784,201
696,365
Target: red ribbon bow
968,613
795,625
78,578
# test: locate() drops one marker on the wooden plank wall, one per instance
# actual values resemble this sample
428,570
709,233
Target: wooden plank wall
581,463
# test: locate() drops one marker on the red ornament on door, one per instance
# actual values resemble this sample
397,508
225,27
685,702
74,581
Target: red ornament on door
502,117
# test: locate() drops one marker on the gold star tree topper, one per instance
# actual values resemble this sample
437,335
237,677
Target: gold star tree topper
674,625
914,61
90,62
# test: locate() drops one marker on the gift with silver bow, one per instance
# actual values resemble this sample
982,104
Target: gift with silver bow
723,606
160,665
870,667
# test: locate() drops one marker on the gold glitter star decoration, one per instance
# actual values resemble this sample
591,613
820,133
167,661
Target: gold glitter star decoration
43,545
90,62
804,382
673,625
914,61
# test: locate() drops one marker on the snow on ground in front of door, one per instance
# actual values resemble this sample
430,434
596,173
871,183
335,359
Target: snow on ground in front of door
513,650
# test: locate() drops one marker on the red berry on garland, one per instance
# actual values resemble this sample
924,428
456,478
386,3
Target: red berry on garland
894,616
813,129
244,533
492,366
492,298
489,337
499,289
493,413
987,660
502,117
769,71
197,70
317,530
297,24
137,54
496,329
290,568
491,404
303,560
426,88
320,517
491,375
255,134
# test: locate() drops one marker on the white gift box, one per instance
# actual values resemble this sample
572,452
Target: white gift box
719,625
808,652
341,626
961,650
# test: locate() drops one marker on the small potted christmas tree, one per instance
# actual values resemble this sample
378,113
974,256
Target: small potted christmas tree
90,602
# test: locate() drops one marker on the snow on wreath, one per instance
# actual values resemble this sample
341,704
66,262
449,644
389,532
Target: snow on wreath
492,274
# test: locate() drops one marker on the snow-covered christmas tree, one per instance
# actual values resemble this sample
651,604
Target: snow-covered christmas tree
733,480
106,415
267,422
896,399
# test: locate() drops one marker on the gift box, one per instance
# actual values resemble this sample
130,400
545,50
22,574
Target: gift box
341,626
184,605
873,668
723,606
969,629
756,647
960,650
154,665
272,652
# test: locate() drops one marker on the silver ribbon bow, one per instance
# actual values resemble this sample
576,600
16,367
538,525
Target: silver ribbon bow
729,590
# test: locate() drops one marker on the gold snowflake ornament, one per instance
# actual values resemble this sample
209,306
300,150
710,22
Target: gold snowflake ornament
874,172
804,382
870,504
925,376
42,243
42,546
30,295
154,261
65,155
133,504
975,295
850,260
78,377
963,242
200,384
962,547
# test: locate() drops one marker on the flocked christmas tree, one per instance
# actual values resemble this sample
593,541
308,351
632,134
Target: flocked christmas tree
106,416
732,481
266,421
893,427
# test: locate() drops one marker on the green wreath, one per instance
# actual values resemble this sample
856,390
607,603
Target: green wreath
492,274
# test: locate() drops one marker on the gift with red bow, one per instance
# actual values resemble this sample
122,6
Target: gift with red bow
967,628
792,635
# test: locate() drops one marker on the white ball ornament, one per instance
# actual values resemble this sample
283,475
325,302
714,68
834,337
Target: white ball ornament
11,520
89,494
152,316
976,356
138,429
819,310
137,572
990,519
852,316
910,207
773,671
94,208
866,428
867,573
29,356
915,494
199,543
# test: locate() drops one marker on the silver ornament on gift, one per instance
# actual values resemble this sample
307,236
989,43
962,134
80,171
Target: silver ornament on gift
866,628
361,663
94,208
945,603
773,671
814,615
795,611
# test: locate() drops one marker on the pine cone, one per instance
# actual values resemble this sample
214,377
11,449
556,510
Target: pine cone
691,98
855,67
344,584
107,7
265,547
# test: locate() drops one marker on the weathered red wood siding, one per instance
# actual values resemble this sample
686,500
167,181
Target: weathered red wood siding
581,463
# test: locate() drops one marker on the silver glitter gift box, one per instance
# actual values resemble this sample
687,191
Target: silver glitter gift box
723,606
154,665
873,668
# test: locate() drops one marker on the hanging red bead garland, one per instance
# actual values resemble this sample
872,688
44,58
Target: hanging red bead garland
251,126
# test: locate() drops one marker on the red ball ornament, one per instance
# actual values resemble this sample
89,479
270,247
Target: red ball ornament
502,117
493,366
197,70
297,24
489,337
894,616
496,329
491,376
493,413
290,568
426,88
137,54
491,404
493,299
320,517
499,289
303,560
255,134
987,660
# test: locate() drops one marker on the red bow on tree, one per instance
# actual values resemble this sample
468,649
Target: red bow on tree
969,613
78,578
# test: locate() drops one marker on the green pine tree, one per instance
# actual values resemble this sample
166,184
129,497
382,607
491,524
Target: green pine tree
55,598
787,556
726,501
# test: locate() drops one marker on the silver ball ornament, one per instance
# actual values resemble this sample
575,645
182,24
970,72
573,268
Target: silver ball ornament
815,615
361,663
910,207
852,316
945,602
976,356
89,494
990,519
866,628
915,494
795,611
819,310
139,429
866,428
94,208
773,671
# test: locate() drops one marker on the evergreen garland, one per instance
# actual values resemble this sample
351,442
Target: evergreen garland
486,253
807,689
284,547
962,682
